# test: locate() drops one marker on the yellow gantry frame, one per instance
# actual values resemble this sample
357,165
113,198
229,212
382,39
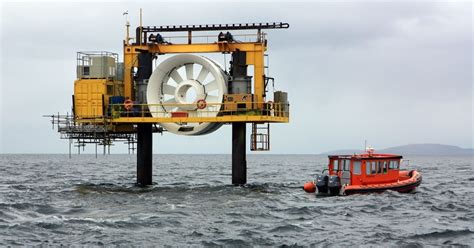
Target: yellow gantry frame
254,50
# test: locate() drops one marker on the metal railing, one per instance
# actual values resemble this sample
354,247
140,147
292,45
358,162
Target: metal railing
96,64
171,110
211,38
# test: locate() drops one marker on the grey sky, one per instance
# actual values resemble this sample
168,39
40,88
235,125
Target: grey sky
391,73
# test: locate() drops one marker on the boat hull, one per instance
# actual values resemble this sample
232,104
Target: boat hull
403,186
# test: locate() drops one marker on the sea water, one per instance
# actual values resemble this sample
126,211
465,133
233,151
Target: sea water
54,200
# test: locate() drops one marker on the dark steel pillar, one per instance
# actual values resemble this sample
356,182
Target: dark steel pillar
239,155
144,131
239,85
144,154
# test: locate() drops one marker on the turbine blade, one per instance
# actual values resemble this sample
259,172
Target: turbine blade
202,75
176,77
211,86
168,89
189,71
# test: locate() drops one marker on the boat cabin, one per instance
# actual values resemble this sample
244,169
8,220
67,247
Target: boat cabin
369,168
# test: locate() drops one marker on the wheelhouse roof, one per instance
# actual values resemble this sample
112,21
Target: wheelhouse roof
366,156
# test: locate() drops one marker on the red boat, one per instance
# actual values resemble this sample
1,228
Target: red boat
364,173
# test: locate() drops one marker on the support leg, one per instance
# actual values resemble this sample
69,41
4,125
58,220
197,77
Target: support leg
239,156
144,154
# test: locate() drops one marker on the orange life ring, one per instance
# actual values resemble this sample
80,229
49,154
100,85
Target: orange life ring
128,104
201,104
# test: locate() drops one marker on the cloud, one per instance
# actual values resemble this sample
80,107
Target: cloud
392,73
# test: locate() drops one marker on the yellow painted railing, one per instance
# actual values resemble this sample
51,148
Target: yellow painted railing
212,112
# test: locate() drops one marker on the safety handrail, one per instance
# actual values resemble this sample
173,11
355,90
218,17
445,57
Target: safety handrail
168,110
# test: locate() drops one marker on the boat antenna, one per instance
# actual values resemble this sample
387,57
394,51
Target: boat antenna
369,149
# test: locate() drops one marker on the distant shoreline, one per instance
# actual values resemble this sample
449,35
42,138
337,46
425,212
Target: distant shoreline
405,150
415,149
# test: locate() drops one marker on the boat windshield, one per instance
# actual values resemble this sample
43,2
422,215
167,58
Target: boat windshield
341,165
347,165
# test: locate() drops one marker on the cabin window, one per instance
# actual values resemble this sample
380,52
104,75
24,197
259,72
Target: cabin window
367,167
385,167
86,70
380,167
356,168
391,164
394,165
373,167
347,165
335,165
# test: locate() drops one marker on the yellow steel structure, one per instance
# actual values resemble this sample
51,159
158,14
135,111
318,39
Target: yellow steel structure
110,98
91,95
254,56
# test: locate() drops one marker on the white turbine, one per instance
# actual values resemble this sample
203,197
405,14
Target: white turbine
186,79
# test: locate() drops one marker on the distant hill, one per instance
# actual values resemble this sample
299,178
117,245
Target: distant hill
414,149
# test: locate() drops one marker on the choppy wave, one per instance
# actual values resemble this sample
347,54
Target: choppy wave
54,201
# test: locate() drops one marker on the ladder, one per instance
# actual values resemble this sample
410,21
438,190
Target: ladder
260,137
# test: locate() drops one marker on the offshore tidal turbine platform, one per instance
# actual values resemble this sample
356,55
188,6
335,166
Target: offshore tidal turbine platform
185,94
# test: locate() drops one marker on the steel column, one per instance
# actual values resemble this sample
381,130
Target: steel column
144,154
144,131
239,156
